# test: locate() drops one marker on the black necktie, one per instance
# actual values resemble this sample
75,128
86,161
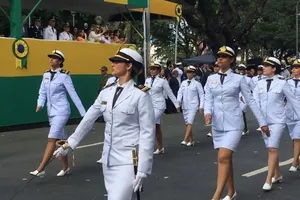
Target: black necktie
117,94
296,82
222,77
269,81
152,80
189,82
52,75
52,29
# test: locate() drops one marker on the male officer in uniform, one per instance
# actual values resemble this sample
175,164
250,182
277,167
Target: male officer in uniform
36,31
50,32
66,35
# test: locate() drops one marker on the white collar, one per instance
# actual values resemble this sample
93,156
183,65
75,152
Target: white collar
57,70
227,72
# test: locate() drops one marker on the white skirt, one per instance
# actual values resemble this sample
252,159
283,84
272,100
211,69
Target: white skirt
276,131
57,127
119,182
226,139
158,113
189,115
294,130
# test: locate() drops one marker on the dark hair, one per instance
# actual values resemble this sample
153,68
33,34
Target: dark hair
61,65
137,69
278,69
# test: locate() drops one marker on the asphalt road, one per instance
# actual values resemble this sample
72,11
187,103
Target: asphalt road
181,173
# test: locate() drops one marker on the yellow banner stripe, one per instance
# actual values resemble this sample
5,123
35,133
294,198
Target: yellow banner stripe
125,2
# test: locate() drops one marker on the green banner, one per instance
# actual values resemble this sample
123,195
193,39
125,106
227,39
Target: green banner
134,3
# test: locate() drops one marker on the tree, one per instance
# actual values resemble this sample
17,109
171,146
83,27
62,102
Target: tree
275,30
224,22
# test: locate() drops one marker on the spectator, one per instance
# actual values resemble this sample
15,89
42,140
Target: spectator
75,33
117,38
104,77
36,31
105,37
86,29
50,32
81,36
95,35
66,35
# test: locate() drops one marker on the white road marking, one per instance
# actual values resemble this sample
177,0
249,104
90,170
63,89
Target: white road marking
90,145
264,169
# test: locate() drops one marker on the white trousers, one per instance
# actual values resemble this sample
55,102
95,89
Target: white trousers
119,182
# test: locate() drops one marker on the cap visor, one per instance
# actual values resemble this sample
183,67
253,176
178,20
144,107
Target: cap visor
225,54
268,64
54,56
117,59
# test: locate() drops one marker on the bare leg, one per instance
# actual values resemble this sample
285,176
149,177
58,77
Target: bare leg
159,137
224,167
48,153
188,133
65,163
230,181
273,165
296,152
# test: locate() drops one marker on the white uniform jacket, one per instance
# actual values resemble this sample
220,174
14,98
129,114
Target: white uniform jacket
65,36
159,89
222,102
243,103
272,103
55,93
290,113
129,125
50,33
191,96
255,80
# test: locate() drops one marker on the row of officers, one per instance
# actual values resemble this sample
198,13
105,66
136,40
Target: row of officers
132,114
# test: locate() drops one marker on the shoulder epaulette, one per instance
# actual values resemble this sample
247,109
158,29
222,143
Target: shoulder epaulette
109,85
49,70
64,71
142,87
162,77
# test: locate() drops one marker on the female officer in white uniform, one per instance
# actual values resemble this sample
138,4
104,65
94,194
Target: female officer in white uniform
191,98
269,95
293,122
243,104
159,89
130,126
222,106
54,87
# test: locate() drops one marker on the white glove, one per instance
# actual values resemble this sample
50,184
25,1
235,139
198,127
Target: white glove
62,151
138,182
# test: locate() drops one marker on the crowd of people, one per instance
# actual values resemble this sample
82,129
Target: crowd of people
95,33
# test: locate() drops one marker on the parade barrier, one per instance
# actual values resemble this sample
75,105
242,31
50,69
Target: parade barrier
20,84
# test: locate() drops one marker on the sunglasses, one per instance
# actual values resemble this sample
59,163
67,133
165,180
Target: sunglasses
223,56
153,68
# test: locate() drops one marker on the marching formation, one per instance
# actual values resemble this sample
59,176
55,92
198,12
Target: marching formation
132,115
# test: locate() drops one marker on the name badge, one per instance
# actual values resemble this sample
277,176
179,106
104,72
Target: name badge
46,78
104,102
214,82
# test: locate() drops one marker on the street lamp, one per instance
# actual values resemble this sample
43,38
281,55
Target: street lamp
297,30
